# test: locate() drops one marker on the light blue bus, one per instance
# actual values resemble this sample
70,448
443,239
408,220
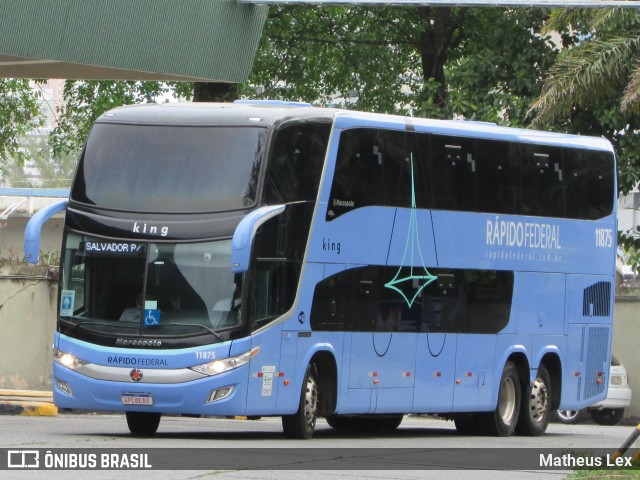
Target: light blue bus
277,259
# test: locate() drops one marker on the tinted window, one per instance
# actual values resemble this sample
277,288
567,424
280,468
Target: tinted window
454,170
295,164
278,253
170,168
458,301
542,180
188,287
499,177
467,174
374,167
589,183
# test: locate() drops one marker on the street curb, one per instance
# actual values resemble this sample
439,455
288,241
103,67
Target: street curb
27,403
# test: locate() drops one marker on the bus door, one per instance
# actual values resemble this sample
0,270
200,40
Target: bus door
382,355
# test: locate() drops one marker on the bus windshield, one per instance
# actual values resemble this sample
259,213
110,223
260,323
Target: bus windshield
160,289
207,169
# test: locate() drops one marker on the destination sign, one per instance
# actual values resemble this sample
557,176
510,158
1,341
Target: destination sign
116,248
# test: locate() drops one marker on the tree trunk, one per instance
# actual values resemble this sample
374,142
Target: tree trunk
215,92
443,31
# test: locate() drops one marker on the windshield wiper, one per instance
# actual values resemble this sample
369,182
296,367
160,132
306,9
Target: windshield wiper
73,326
210,330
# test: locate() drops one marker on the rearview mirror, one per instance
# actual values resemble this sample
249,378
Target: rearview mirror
245,233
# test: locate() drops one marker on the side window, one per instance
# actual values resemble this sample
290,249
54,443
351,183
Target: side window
589,184
273,291
363,299
490,294
357,181
277,262
405,169
542,181
499,177
329,304
296,161
377,167
454,170
459,301
275,280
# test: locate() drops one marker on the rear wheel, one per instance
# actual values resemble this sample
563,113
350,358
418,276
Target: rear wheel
536,405
143,423
607,416
502,421
302,424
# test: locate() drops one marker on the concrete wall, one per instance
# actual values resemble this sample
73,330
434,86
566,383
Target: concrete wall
626,344
28,300
12,239
27,322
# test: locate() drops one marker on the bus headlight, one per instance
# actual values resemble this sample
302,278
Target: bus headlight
224,365
67,359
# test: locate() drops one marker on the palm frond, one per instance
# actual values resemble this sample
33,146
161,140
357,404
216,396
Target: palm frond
563,18
631,99
584,75
593,22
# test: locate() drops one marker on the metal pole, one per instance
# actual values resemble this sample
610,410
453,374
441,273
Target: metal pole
461,3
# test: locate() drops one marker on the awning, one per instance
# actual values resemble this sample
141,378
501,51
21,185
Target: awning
189,40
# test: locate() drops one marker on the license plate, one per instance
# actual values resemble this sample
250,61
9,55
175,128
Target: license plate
137,399
616,380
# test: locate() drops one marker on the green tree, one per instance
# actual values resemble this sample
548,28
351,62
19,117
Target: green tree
19,113
604,64
594,88
438,62
55,171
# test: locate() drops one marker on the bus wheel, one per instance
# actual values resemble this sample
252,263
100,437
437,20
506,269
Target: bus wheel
536,405
502,421
303,423
143,423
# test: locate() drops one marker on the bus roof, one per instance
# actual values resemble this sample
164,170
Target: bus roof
263,113
203,113
484,130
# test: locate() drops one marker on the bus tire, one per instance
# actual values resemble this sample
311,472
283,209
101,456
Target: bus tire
143,423
607,416
302,424
502,421
535,411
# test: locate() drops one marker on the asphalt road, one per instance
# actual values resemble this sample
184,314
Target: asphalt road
245,449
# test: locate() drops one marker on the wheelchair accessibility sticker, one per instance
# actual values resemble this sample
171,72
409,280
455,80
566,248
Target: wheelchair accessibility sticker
151,313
